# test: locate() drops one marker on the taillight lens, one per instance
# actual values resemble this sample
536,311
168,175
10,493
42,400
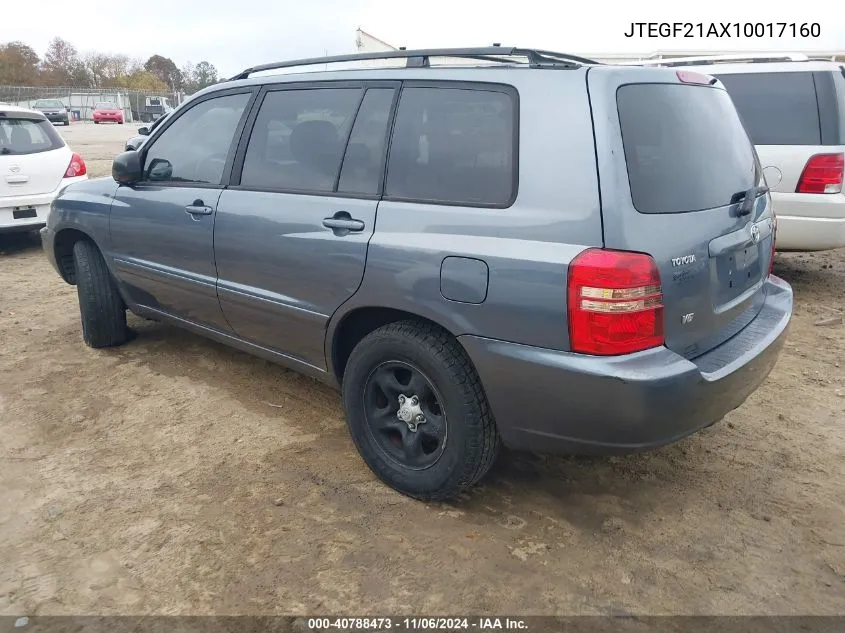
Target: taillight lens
823,173
615,303
76,167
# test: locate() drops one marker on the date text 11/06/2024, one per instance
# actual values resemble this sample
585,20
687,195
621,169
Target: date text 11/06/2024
416,624
724,29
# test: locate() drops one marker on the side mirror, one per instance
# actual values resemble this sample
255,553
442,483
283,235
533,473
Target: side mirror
144,130
126,168
160,169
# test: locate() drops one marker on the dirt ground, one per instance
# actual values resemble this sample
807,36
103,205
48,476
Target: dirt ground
175,475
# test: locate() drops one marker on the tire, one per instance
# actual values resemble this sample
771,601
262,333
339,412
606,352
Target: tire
101,308
120,122
96,123
470,442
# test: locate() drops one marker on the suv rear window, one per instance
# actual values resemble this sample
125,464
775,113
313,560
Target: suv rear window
27,136
685,147
777,108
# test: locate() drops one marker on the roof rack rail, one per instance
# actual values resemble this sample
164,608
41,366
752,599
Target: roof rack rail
421,58
720,59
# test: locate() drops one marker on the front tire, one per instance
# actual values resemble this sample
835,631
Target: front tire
101,308
417,412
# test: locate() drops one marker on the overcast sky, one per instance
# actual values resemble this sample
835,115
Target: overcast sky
234,34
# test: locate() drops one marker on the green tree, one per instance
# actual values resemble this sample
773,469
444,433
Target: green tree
18,64
205,74
165,70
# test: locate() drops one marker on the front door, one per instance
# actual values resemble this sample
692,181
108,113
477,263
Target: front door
162,229
291,236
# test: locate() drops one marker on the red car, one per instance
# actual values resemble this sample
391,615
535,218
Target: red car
106,111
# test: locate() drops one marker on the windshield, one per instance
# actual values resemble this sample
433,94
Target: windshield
49,103
27,136
685,146
106,105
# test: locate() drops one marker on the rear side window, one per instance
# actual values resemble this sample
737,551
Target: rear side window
27,136
298,139
453,146
685,147
363,162
776,108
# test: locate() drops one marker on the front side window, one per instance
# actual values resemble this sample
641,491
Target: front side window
194,148
453,145
298,140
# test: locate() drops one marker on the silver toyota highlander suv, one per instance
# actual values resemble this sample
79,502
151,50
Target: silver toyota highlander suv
510,246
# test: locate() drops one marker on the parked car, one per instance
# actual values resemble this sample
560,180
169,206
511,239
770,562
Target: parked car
54,110
568,257
107,111
135,142
35,165
794,110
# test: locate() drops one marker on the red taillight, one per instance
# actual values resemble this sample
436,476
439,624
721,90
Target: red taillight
823,173
76,167
615,303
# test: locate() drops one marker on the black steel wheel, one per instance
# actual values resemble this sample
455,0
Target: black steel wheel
405,415
417,412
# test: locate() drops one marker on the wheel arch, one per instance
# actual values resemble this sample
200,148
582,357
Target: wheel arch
347,329
63,251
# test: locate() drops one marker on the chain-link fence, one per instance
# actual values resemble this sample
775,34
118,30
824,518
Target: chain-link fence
137,105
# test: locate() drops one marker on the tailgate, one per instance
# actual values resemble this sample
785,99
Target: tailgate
679,180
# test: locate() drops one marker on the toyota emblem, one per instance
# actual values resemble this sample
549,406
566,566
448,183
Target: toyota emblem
15,169
755,233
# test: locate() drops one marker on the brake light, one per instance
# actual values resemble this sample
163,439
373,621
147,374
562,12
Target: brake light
689,77
615,303
823,173
76,167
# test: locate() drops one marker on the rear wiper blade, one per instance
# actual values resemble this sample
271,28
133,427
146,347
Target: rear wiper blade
748,197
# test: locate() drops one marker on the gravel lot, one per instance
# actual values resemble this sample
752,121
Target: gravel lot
175,475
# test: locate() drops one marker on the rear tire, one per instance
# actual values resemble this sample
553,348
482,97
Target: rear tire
96,123
457,442
101,308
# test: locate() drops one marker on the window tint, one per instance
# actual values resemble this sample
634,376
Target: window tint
195,146
362,163
49,103
453,145
27,136
776,108
298,139
685,147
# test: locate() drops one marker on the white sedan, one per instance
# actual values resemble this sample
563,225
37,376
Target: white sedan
35,165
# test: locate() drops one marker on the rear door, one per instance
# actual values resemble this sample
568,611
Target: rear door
292,231
675,164
33,157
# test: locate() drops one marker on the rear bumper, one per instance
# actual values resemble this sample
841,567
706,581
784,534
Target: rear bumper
41,202
809,222
548,401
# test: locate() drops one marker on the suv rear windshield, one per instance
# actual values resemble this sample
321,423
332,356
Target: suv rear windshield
685,147
27,136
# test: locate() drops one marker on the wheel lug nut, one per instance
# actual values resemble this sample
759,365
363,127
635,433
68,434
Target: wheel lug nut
401,399
420,418
415,400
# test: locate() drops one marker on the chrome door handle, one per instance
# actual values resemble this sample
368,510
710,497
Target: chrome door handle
344,224
198,208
